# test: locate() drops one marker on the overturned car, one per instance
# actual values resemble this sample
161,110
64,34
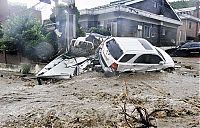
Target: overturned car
123,54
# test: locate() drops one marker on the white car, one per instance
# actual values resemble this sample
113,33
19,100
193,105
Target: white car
122,54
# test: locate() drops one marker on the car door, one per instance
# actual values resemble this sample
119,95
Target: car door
126,63
148,62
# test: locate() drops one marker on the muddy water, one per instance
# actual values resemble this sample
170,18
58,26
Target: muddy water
92,100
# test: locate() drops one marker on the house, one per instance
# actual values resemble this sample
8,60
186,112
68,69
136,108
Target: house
3,10
154,20
190,30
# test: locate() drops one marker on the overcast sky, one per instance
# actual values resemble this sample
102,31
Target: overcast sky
81,4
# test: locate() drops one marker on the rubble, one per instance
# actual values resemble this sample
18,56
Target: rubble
92,100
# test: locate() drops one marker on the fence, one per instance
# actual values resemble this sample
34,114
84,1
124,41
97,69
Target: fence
9,58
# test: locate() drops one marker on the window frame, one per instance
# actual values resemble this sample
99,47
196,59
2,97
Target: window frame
147,63
131,56
147,31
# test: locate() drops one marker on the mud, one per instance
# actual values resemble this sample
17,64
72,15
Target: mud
92,100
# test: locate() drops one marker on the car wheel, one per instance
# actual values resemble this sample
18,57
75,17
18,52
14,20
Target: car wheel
170,70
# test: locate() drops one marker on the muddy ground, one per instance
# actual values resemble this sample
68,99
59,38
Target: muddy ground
92,100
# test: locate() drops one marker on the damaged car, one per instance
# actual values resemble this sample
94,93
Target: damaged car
125,54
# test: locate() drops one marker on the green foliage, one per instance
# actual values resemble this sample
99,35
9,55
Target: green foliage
183,4
101,31
1,31
52,39
79,31
21,33
26,68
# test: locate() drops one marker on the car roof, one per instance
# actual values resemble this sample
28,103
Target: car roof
192,43
131,44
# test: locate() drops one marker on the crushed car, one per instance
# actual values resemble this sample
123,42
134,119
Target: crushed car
125,54
189,49
76,61
64,67
85,46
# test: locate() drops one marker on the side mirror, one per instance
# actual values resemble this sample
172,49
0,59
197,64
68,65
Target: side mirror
161,63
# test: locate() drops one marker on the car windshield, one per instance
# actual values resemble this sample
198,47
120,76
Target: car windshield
114,49
187,45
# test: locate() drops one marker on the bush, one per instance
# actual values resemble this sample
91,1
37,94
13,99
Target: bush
26,68
21,33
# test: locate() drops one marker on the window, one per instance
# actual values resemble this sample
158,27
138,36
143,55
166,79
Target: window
191,45
163,31
160,54
146,31
195,45
127,57
187,45
153,34
155,5
145,44
148,59
190,25
114,49
108,26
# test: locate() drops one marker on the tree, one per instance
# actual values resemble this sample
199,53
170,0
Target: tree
21,33
79,31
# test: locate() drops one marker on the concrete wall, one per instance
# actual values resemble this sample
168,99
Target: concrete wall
13,59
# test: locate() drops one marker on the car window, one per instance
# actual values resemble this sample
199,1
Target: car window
187,45
114,49
148,59
126,57
145,44
196,45
160,54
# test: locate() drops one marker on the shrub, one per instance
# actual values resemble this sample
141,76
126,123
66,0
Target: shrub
26,68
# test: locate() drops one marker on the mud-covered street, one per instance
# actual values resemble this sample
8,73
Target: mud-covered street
92,100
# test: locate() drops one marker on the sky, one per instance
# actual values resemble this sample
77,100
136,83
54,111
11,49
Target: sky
81,4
